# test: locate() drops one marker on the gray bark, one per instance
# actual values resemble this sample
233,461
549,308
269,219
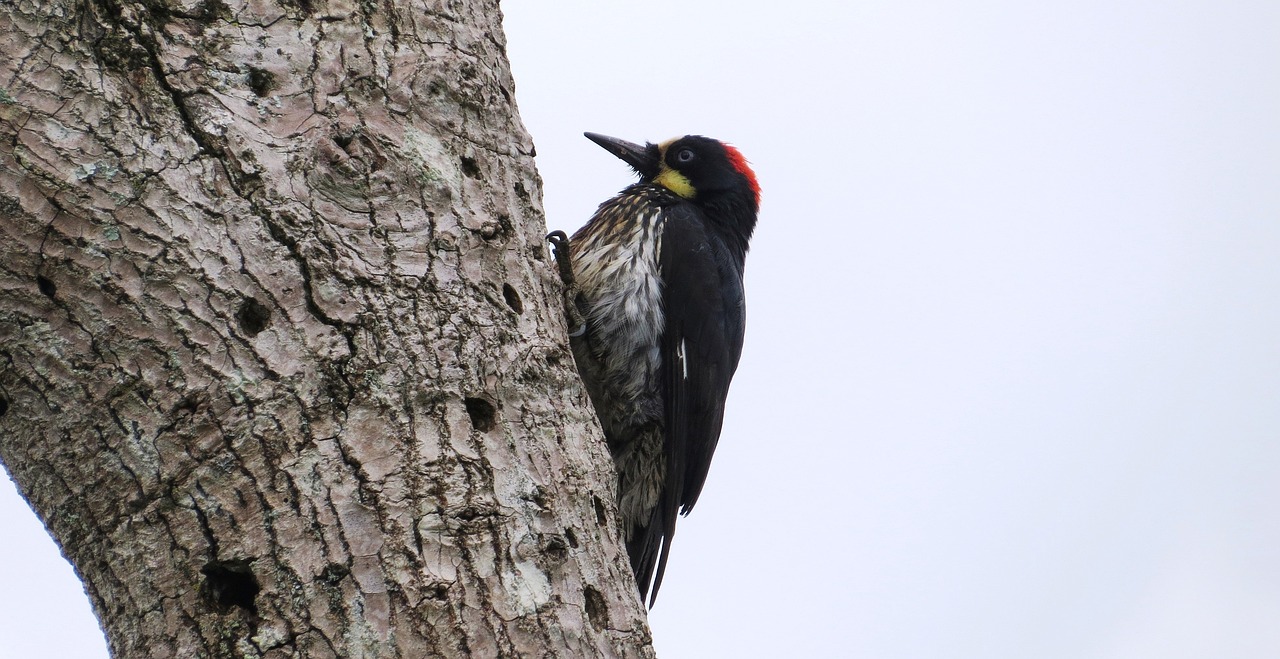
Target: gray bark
283,366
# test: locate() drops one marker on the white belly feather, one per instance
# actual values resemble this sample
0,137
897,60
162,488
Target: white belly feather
621,284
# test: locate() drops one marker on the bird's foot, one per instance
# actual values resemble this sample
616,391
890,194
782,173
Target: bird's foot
560,249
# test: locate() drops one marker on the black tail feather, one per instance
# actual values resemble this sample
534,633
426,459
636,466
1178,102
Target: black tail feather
648,551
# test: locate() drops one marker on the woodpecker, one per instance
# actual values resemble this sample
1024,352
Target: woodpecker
657,311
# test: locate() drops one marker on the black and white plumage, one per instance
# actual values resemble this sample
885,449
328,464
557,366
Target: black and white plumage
656,298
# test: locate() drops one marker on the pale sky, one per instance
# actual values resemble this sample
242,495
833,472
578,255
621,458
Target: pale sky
1011,385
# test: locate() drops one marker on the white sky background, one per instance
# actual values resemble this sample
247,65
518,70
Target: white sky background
1011,385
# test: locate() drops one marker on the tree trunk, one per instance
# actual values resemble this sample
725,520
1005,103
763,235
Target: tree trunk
284,364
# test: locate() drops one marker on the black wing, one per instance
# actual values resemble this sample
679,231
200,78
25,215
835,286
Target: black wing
704,316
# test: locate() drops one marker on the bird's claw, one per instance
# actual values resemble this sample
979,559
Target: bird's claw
560,249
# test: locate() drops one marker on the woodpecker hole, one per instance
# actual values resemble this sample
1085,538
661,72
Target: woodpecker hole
229,584
597,609
513,298
4,405
261,81
601,516
437,591
253,317
46,286
482,413
470,167
556,549
188,405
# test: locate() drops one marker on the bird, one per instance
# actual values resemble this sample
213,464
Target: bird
657,312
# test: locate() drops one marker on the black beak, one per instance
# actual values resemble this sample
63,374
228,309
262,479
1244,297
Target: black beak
643,159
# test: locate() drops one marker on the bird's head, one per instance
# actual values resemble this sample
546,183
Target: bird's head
695,167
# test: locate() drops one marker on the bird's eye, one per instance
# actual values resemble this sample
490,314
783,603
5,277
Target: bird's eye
684,155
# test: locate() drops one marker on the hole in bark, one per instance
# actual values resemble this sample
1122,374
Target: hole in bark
253,317
46,286
261,81
482,413
597,609
230,583
470,167
556,549
188,405
513,298
601,516
571,537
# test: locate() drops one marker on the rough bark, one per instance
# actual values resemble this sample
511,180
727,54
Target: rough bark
283,364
